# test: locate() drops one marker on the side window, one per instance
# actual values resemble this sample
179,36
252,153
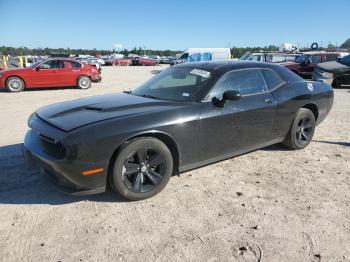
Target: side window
246,81
331,57
315,59
254,58
71,64
278,58
51,64
272,79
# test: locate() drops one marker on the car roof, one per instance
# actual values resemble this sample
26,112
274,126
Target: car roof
60,58
224,65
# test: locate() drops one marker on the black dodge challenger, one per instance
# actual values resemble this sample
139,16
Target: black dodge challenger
185,117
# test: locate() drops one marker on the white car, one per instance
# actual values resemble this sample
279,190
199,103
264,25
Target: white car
95,60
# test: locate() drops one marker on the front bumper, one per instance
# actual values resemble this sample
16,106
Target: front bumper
2,82
65,173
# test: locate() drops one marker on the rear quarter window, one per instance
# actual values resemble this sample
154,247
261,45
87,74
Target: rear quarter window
272,79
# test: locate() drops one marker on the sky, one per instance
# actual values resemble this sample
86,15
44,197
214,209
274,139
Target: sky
172,24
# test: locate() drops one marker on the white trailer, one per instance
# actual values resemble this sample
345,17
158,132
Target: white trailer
204,54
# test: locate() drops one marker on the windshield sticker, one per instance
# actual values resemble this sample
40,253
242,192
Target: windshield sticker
185,94
201,73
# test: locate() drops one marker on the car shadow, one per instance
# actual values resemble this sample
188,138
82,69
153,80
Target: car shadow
21,185
332,142
3,90
275,147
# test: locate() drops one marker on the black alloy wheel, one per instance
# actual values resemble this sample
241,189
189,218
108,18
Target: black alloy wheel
142,168
302,130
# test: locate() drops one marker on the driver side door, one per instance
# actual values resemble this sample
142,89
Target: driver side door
46,74
239,126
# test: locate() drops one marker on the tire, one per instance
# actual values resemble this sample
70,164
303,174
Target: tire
14,84
314,46
142,169
301,131
84,82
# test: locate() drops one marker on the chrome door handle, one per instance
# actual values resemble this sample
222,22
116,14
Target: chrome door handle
75,70
268,100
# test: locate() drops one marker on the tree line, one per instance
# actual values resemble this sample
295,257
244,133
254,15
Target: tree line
17,51
235,51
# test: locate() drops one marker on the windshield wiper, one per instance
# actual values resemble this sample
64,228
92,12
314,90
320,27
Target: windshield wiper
127,91
150,96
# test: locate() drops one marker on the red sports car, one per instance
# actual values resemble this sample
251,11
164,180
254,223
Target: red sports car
148,62
124,61
50,73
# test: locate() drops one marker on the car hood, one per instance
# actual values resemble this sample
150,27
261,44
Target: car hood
77,113
333,66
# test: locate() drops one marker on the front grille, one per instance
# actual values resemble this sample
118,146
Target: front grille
318,73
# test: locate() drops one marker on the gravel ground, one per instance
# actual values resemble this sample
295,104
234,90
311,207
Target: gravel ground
274,204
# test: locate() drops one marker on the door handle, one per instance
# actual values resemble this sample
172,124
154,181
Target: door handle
77,70
268,100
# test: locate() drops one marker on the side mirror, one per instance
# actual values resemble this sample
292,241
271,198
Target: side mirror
230,95
37,68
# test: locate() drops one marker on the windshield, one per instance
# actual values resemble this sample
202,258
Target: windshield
302,58
254,58
176,84
36,64
345,60
244,57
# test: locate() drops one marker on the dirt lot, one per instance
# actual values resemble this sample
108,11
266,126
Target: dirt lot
294,205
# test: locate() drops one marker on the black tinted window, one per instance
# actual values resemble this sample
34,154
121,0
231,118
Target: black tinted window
272,78
247,82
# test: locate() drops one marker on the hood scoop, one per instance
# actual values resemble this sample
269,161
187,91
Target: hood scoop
94,108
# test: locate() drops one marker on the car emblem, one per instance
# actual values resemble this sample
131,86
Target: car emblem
310,87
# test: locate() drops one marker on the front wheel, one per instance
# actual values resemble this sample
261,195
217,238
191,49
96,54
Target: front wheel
301,131
15,84
84,82
142,168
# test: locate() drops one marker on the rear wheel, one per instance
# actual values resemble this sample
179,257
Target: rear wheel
84,82
301,131
142,169
15,84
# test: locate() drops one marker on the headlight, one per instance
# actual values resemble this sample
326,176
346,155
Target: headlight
328,75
